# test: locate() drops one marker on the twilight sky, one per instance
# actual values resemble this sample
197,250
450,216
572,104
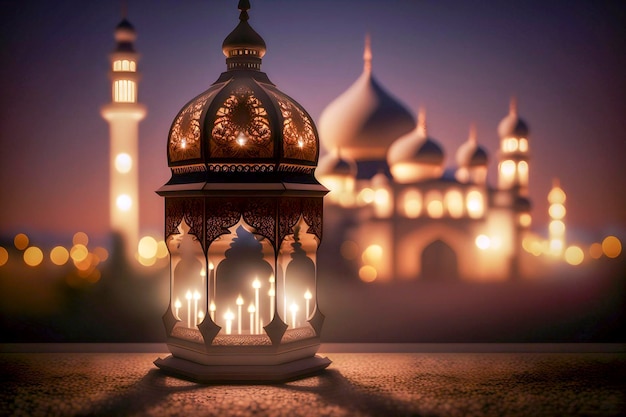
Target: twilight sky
461,60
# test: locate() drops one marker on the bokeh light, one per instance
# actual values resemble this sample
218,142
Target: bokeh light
4,256
162,251
124,202
349,250
101,253
595,250
59,255
574,255
367,273
80,238
483,242
373,254
79,253
556,211
123,163
147,247
33,256
21,241
611,246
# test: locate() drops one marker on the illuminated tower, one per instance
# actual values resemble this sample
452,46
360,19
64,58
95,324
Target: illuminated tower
556,198
513,155
124,115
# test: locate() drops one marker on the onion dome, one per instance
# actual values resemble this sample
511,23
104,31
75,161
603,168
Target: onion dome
512,126
334,164
125,35
364,120
415,156
470,154
242,128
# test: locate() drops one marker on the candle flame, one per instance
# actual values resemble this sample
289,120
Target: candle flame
239,300
212,306
256,284
188,295
177,303
308,295
251,309
196,295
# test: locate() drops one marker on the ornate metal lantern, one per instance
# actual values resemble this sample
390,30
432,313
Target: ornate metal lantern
243,220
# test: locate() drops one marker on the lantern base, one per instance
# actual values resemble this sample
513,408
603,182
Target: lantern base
242,373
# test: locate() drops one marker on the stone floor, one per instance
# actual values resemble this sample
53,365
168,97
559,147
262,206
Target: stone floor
356,384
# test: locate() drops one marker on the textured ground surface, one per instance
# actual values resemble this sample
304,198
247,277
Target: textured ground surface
356,384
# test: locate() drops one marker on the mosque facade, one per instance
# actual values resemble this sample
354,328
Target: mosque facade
401,214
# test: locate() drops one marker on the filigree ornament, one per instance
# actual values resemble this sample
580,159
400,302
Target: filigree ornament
191,210
298,136
184,140
241,128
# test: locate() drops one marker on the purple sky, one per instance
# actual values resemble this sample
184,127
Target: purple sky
461,61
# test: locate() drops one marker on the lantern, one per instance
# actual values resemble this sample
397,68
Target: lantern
243,221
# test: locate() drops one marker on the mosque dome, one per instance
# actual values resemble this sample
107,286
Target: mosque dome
125,35
415,156
242,126
512,126
334,164
470,153
364,120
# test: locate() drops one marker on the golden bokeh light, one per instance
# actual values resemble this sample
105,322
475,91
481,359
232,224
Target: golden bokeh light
483,242
349,250
556,196
146,261
435,209
4,256
525,220
101,253
123,163
124,202
147,247
595,250
557,227
33,256
556,211
366,196
80,238
373,254
368,273
574,255
59,255
611,246
162,251
79,253
21,241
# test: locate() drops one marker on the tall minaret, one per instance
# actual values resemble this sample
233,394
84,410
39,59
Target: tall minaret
124,115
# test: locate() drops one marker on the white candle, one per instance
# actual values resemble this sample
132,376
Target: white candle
188,297
239,304
229,316
200,316
177,306
212,311
272,294
251,310
307,297
196,297
256,284
294,310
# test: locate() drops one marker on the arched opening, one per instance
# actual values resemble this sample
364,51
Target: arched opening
439,262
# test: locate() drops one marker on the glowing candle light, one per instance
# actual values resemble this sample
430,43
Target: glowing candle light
196,297
212,311
251,310
294,310
229,316
239,304
188,297
256,284
200,316
272,294
177,306
307,297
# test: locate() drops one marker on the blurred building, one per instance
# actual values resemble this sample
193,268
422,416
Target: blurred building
400,213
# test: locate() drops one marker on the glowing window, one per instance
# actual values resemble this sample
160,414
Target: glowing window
434,205
454,203
124,91
475,204
507,168
117,65
522,167
523,145
412,204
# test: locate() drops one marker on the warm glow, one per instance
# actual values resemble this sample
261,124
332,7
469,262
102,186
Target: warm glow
79,253
525,220
308,295
124,65
21,241
367,273
483,242
373,254
475,204
161,249
124,91
239,300
381,197
522,167
611,246
367,195
412,204
557,211
523,145
434,206
147,247
80,238
574,255
507,168
241,139
556,246
124,202
556,196
510,145
349,250
59,255
4,256
123,163
256,284
101,253
556,227
33,256
454,203
595,250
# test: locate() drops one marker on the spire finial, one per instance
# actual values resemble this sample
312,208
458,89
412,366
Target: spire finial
367,54
124,9
421,122
513,106
472,133
244,6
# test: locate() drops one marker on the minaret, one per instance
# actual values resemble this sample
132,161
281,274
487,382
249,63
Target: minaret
556,198
514,152
124,115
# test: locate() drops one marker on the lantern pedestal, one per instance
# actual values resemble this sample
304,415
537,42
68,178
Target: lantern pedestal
242,373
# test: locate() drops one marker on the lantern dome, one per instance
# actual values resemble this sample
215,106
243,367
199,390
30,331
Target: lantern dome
242,126
512,126
365,119
470,153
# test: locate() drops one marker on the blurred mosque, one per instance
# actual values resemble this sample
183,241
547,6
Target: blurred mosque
402,214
